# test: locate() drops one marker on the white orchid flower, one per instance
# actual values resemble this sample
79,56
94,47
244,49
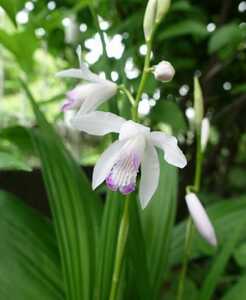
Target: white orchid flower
120,163
200,218
88,96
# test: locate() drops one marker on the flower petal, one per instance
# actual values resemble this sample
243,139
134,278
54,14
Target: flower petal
97,95
105,163
98,122
200,218
130,129
172,153
150,169
73,73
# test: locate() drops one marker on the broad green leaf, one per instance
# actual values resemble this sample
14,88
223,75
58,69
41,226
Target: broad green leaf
220,262
138,276
187,27
229,34
240,255
30,264
225,215
23,55
169,113
158,220
18,136
12,7
10,161
75,209
107,245
237,291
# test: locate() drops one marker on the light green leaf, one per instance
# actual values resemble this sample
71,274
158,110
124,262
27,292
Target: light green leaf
23,55
10,161
12,7
30,264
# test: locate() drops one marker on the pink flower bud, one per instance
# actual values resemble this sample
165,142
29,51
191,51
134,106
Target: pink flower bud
164,71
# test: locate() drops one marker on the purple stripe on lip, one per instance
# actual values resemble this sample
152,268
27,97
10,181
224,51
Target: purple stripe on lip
67,105
111,184
127,189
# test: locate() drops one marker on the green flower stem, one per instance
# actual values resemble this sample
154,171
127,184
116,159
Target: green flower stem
128,94
121,243
189,227
124,224
143,81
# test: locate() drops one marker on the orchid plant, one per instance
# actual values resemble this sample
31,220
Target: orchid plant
136,146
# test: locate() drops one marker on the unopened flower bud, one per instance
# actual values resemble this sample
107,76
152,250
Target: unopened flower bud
200,218
149,19
164,71
205,127
162,9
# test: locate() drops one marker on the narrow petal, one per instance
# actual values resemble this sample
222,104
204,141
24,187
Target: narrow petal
150,169
105,163
172,153
73,73
98,122
82,73
201,219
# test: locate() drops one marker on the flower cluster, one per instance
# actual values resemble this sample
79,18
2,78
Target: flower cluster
136,146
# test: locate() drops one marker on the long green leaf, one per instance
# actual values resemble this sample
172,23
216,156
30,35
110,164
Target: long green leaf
75,209
30,264
158,221
220,263
107,245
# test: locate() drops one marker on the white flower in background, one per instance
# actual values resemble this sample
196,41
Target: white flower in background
120,163
201,219
205,128
164,71
88,96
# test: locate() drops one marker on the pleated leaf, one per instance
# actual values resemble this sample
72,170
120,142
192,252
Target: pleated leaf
75,209
158,221
107,245
30,263
220,262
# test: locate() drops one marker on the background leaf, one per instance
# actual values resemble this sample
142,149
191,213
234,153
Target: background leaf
30,264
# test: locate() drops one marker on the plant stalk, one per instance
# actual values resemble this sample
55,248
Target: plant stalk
120,249
143,81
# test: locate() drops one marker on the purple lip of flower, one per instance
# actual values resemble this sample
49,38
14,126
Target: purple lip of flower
66,105
135,161
127,189
110,183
